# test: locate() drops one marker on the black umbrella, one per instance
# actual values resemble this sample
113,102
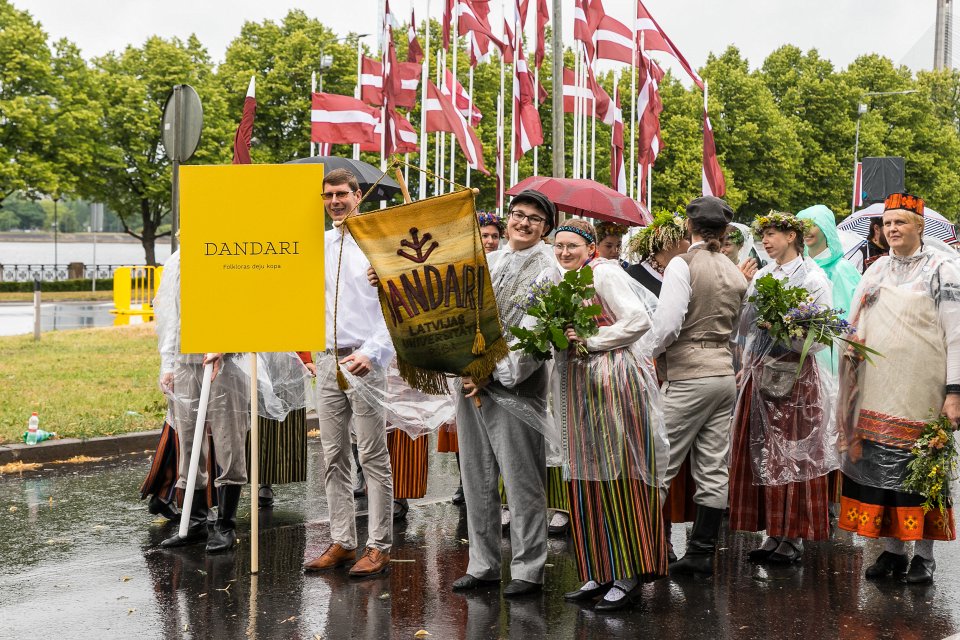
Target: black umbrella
366,173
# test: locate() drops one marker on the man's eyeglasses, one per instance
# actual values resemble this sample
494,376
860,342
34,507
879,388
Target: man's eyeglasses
573,246
339,195
520,217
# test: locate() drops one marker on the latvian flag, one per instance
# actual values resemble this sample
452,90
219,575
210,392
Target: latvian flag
341,120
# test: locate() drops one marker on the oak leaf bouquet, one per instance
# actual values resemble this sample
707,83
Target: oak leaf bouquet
557,307
934,464
789,313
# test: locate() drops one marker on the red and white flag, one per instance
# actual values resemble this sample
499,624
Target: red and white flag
414,50
649,107
592,91
527,129
473,22
341,119
571,91
371,82
655,39
407,139
448,9
714,183
508,39
241,141
618,174
614,40
443,116
543,17
582,31
463,99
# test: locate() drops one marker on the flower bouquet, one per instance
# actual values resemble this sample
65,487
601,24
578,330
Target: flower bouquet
789,313
556,307
934,464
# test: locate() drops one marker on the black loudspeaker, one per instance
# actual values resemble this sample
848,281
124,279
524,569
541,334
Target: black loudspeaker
881,177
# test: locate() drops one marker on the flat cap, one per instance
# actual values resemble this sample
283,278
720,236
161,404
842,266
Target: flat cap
709,211
541,201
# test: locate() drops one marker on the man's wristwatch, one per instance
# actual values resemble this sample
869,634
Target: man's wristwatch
953,388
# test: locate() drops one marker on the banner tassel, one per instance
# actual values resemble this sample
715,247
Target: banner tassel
479,343
342,380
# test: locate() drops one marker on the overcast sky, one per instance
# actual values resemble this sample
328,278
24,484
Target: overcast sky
840,29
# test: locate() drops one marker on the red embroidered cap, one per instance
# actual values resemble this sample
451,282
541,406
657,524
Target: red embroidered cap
904,201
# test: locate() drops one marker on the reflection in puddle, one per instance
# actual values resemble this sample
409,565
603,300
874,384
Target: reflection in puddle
16,319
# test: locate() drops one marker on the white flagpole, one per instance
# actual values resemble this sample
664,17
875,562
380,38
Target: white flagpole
576,112
514,157
633,108
469,115
502,140
384,34
441,188
593,142
453,86
583,116
356,92
195,453
313,90
424,78
536,102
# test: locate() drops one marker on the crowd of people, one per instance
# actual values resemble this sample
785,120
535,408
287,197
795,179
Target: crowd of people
680,407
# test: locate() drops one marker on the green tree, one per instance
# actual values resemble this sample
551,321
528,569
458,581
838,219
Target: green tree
134,176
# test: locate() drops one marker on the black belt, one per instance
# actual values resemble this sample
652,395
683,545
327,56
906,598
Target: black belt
342,352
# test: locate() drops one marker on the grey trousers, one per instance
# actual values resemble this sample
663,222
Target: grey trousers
228,414
697,414
492,442
335,409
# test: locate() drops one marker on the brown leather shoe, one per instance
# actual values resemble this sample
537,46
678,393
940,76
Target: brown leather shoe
334,556
372,562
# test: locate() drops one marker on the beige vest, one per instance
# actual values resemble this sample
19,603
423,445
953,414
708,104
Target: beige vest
702,349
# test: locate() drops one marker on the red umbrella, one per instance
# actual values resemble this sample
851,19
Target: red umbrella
587,198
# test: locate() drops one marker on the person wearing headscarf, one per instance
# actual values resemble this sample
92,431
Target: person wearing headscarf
784,434
502,434
907,307
610,240
692,329
607,406
823,245
654,246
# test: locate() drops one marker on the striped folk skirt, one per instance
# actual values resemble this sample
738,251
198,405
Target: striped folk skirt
408,460
793,510
283,449
161,480
617,530
447,439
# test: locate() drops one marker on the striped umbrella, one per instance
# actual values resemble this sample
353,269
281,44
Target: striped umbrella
935,225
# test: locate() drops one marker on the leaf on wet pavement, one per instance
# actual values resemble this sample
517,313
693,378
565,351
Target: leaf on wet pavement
290,619
13,509
384,596
125,579
129,611
201,572
401,560
423,633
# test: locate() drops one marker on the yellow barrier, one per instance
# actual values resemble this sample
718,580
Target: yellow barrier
134,289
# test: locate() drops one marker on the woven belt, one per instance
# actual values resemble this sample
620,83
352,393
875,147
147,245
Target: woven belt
709,344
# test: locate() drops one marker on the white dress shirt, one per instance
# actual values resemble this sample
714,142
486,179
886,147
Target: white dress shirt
166,307
360,323
671,308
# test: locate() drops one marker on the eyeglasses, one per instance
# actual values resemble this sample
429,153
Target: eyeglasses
520,217
339,195
561,247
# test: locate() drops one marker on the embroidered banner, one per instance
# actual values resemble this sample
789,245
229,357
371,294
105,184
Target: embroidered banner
435,288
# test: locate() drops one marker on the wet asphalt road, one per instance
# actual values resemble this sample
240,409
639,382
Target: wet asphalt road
78,559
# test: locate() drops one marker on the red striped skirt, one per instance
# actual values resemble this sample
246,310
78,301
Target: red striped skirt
447,439
408,459
794,510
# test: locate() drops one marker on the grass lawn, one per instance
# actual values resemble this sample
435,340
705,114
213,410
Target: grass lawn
83,383
57,296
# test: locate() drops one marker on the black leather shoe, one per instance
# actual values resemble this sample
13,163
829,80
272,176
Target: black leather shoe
516,588
760,555
265,496
458,497
921,571
887,565
197,531
793,554
168,510
400,508
616,605
468,582
582,594
558,529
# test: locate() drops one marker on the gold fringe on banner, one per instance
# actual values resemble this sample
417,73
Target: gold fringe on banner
432,382
484,365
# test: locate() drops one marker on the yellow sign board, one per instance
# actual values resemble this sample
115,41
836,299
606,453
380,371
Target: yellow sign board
251,258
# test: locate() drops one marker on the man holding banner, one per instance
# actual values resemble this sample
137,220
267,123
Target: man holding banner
363,348
499,435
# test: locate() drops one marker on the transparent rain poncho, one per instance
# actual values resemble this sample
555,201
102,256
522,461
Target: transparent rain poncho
228,407
793,435
607,403
908,309
281,379
412,411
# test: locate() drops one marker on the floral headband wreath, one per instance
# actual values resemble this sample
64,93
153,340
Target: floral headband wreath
490,220
781,222
580,232
605,229
735,236
667,229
